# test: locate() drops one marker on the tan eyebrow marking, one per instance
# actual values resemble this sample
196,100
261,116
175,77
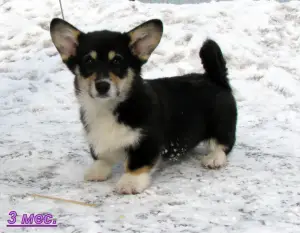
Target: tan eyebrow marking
111,55
93,54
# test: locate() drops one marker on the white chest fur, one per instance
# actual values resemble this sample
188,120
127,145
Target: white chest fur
104,132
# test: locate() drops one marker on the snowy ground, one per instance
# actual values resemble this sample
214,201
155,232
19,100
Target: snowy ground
43,151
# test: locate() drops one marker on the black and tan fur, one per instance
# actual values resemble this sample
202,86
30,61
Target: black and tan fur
140,120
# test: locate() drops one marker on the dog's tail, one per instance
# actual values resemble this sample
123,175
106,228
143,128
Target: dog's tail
214,63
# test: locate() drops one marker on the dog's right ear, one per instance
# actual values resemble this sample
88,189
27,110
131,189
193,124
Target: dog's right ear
145,38
65,37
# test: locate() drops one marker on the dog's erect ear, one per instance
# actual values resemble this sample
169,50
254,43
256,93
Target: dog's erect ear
64,37
145,38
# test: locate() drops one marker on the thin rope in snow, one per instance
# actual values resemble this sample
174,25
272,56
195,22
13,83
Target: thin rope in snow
61,9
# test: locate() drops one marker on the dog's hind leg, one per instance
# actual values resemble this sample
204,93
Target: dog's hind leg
222,131
216,157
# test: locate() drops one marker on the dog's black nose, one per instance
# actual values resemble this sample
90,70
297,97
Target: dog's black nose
102,87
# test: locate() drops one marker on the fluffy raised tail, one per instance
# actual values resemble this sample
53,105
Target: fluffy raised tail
214,63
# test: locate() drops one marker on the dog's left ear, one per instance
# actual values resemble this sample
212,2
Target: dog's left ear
145,38
65,37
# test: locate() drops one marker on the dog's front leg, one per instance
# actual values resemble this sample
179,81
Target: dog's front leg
140,163
101,168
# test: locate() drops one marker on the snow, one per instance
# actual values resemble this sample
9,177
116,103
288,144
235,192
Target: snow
43,151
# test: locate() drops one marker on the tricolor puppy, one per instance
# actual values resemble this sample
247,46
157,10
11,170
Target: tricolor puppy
140,120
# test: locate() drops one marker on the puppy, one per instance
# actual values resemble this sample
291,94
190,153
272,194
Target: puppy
140,120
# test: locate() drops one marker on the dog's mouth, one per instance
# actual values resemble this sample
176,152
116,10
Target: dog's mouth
107,96
102,96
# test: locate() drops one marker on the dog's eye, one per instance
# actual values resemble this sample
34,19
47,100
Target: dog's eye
88,60
117,59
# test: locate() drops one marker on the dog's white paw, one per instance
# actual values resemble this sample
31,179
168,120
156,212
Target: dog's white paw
133,184
99,171
215,159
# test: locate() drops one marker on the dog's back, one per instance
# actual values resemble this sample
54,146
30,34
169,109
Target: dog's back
197,107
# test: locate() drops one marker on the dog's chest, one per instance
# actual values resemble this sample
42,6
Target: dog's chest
104,133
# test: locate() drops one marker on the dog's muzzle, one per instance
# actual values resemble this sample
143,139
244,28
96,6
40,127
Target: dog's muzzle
102,87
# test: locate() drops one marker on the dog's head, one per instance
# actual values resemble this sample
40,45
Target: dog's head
106,62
